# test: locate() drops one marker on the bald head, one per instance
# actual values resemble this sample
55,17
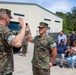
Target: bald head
73,32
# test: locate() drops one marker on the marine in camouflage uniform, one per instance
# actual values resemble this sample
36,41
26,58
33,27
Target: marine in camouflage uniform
7,40
44,51
6,55
41,57
25,45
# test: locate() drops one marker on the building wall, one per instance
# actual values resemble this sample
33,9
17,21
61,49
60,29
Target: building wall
33,15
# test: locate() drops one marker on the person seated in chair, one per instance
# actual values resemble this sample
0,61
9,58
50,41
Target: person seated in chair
61,47
72,55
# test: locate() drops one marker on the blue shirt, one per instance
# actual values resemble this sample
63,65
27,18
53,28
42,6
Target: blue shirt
61,49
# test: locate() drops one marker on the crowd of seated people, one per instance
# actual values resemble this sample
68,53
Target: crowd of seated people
65,51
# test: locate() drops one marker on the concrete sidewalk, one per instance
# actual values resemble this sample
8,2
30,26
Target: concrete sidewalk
22,65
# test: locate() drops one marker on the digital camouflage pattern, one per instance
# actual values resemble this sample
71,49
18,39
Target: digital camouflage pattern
42,54
6,55
25,45
38,71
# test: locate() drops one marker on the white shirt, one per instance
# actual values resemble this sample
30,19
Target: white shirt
63,37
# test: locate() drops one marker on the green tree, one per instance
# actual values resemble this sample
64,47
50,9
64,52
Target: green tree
64,20
71,19
69,22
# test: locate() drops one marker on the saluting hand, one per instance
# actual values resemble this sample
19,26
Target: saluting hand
21,22
27,28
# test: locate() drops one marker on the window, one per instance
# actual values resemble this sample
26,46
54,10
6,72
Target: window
17,14
47,19
57,21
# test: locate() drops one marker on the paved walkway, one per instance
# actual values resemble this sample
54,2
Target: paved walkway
22,65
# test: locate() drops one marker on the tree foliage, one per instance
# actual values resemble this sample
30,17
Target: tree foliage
69,22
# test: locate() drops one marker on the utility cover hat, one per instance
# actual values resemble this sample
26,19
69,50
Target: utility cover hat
6,11
42,25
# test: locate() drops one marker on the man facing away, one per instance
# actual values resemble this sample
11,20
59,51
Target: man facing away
44,51
7,40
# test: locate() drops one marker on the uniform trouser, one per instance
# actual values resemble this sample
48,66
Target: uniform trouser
24,49
71,61
61,57
38,71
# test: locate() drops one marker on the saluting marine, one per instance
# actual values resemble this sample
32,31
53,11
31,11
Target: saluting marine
7,40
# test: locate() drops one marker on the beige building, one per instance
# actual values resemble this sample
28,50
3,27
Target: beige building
33,14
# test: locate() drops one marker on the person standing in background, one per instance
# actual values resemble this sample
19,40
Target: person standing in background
68,37
25,43
72,37
63,37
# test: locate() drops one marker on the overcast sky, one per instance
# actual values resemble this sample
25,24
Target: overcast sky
52,5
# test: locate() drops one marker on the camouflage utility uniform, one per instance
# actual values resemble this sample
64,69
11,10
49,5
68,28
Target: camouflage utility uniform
42,54
6,53
25,45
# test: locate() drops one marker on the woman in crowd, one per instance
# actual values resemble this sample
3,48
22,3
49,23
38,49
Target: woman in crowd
72,55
